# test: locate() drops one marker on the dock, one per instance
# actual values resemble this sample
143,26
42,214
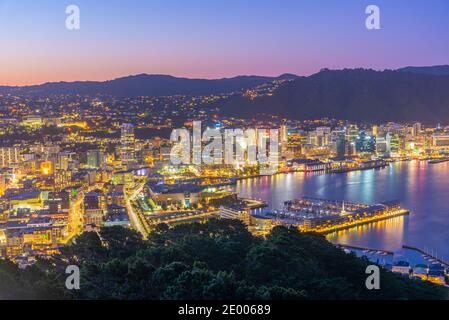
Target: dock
441,261
362,222
436,161
346,246
254,203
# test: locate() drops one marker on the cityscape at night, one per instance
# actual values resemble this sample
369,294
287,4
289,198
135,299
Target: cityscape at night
224,151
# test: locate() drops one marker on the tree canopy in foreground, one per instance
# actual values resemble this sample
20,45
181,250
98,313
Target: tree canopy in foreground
219,259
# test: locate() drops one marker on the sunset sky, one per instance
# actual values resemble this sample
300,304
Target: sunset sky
214,38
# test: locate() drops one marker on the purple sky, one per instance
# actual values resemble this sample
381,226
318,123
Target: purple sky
214,38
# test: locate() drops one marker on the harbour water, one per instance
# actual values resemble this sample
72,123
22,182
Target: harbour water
420,187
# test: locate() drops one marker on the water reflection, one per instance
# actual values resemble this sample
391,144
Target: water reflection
420,187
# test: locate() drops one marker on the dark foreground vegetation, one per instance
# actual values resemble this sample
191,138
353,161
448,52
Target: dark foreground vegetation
216,260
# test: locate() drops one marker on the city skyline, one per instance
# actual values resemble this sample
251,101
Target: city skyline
225,150
214,40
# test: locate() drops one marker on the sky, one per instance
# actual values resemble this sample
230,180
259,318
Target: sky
214,38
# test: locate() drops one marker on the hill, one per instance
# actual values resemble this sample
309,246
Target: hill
354,94
433,70
147,85
212,261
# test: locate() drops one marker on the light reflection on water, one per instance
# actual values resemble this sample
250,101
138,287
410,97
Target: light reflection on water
420,187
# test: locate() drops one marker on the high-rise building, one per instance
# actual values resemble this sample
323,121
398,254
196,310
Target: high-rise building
416,129
94,158
128,144
383,145
365,142
395,144
284,134
63,160
352,132
338,143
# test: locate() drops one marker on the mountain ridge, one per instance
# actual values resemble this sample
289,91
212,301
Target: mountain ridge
354,94
148,85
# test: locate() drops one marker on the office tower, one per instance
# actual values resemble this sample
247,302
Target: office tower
383,145
337,141
62,161
395,144
284,134
94,158
128,144
416,129
352,132
365,142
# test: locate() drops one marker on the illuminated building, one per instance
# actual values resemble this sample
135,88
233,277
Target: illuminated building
365,143
63,160
283,134
236,212
46,168
3,183
416,129
32,121
25,199
308,165
94,208
9,156
350,148
337,143
94,159
116,216
117,198
352,132
395,144
127,145
402,267
440,141
62,179
176,196
122,177
383,145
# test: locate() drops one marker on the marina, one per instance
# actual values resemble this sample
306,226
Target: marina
421,187
327,216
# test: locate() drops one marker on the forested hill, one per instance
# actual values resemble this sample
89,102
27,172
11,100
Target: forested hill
355,94
216,260
147,85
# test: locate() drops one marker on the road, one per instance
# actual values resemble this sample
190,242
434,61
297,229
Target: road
136,220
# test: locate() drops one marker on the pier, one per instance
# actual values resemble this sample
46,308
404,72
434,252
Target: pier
345,246
441,261
361,222
438,160
254,203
